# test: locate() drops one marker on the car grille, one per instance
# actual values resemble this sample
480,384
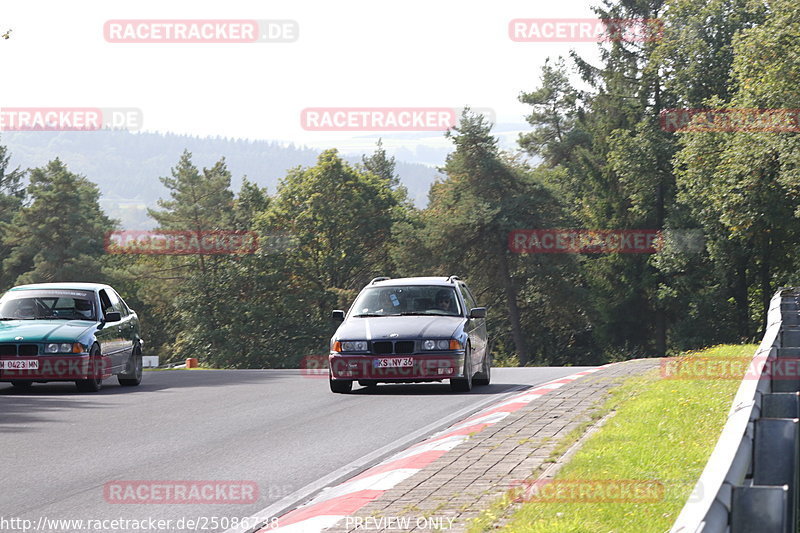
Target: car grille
382,347
390,347
19,349
404,347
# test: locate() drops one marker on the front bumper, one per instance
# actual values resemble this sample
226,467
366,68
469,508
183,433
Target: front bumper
55,368
424,367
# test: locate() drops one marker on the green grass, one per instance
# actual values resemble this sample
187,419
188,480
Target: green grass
661,431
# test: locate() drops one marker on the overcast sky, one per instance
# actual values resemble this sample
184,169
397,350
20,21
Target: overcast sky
414,53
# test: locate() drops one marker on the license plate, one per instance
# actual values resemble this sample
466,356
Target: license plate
19,364
393,362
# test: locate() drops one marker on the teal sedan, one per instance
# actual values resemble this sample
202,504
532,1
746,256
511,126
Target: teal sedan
81,332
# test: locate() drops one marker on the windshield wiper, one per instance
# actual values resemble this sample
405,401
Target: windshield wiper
57,317
17,318
369,315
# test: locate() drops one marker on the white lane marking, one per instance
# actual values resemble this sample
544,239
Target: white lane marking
445,444
382,481
487,419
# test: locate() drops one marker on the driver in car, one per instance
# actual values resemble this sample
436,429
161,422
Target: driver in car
83,309
444,301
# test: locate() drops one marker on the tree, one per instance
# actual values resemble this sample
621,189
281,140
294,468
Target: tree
59,235
12,194
744,185
382,166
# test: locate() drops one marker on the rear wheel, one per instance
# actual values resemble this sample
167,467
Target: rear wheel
96,383
464,384
21,384
133,373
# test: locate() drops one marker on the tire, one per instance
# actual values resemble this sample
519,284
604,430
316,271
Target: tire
464,384
485,374
21,384
134,376
91,384
341,386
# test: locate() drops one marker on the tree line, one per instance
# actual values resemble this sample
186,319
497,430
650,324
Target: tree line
603,161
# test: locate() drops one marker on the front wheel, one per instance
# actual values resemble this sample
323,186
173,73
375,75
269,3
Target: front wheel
464,384
96,383
485,376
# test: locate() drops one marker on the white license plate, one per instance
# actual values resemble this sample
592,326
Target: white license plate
19,364
393,362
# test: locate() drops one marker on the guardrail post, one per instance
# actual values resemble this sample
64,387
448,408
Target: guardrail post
781,405
775,456
790,337
786,379
759,509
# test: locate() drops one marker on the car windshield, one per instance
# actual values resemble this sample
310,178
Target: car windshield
407,300
48,305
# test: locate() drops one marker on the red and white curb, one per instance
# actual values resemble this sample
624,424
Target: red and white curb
336,503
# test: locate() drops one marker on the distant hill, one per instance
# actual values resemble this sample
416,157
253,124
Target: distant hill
126,166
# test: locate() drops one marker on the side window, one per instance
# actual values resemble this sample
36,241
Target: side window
123,307
110,302
468,299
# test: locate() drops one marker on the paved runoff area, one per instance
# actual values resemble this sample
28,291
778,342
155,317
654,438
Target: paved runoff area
442,483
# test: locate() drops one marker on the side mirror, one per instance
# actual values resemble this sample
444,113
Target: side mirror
113,317
477,312
337,315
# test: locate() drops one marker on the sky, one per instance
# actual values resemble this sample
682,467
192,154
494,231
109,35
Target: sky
349,53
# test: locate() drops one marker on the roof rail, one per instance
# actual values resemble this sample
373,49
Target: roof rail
379,278
453,278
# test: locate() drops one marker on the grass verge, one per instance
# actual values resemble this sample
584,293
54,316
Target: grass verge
660,436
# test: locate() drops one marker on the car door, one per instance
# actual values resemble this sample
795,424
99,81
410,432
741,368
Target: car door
129,325
475,328
111,337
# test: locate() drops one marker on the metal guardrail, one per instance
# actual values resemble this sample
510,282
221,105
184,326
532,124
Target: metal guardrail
750,482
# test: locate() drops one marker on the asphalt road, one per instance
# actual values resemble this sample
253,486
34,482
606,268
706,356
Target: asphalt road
277,429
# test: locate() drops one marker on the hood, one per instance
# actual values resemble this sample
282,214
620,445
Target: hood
43,330
406,327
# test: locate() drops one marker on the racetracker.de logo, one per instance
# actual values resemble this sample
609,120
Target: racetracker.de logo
588,491
730,120
181,492
181,242
57,367
378,118
314,366
583,241
635,30
70,118
201,31
731,368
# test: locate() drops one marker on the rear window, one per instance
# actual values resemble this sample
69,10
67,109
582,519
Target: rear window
48,304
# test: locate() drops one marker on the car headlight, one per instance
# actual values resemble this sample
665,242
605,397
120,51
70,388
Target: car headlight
354,346
60,348
431,344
